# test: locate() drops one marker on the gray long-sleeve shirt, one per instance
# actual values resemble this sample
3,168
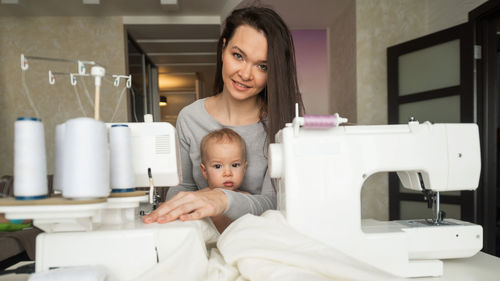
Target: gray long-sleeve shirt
193,123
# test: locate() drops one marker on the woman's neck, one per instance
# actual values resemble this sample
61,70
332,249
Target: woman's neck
231,112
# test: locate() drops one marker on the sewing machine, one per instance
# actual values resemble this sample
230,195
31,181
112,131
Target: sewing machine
321,172
108,231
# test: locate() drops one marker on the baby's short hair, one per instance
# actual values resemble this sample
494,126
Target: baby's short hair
224,135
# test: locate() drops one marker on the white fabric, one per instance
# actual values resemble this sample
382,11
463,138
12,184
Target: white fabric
252,248
267,248
81,273
187,262
219,270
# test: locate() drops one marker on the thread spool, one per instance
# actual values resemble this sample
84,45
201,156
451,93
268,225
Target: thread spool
30,165
323,121
122,173
59,165
86,159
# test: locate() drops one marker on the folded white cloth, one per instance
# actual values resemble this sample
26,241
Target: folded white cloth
79,273
267,248
189,262
219,270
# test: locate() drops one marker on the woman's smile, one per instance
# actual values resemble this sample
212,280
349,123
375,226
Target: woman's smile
240,86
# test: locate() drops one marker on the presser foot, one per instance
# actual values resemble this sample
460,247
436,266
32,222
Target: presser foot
438,219
433,201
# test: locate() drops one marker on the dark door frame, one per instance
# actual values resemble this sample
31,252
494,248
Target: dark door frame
465,90
484,20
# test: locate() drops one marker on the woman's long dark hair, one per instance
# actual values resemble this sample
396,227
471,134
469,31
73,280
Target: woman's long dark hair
282,90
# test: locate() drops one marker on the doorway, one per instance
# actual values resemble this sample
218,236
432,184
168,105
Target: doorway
477,99
486,19
182,59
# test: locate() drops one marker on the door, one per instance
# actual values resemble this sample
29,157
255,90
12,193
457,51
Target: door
144,91
486,20
431,79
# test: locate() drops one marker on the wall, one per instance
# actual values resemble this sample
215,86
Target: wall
447,13
342,62
87,38
312,68
381,24
337,17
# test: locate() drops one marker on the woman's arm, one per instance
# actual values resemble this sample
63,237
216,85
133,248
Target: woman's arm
190,206
213,203
216,202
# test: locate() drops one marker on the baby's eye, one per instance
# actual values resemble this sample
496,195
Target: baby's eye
237,56
236,165
262,67
217,166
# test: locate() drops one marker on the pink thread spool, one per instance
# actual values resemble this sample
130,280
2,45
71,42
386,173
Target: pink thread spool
323,121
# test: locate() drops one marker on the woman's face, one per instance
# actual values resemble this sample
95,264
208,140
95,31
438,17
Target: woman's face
244,63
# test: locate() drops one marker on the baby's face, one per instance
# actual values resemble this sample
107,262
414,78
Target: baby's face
224,166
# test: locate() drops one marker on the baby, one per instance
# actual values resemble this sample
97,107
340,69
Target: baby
223,159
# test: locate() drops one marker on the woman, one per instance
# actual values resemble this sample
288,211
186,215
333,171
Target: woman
255,92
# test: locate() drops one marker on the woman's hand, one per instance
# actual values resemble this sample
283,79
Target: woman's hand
190,206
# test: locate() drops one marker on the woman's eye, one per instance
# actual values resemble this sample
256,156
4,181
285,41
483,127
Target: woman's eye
237,56
236,165
217,166
262,67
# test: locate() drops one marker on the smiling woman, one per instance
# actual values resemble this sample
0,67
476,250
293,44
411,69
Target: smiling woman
254,94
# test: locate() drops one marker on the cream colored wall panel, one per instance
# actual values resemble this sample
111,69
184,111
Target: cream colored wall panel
342,63
447,13
380,24
88,38
374,197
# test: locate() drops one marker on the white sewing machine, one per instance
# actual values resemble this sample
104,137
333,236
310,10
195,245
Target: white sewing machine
321,173
108,231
